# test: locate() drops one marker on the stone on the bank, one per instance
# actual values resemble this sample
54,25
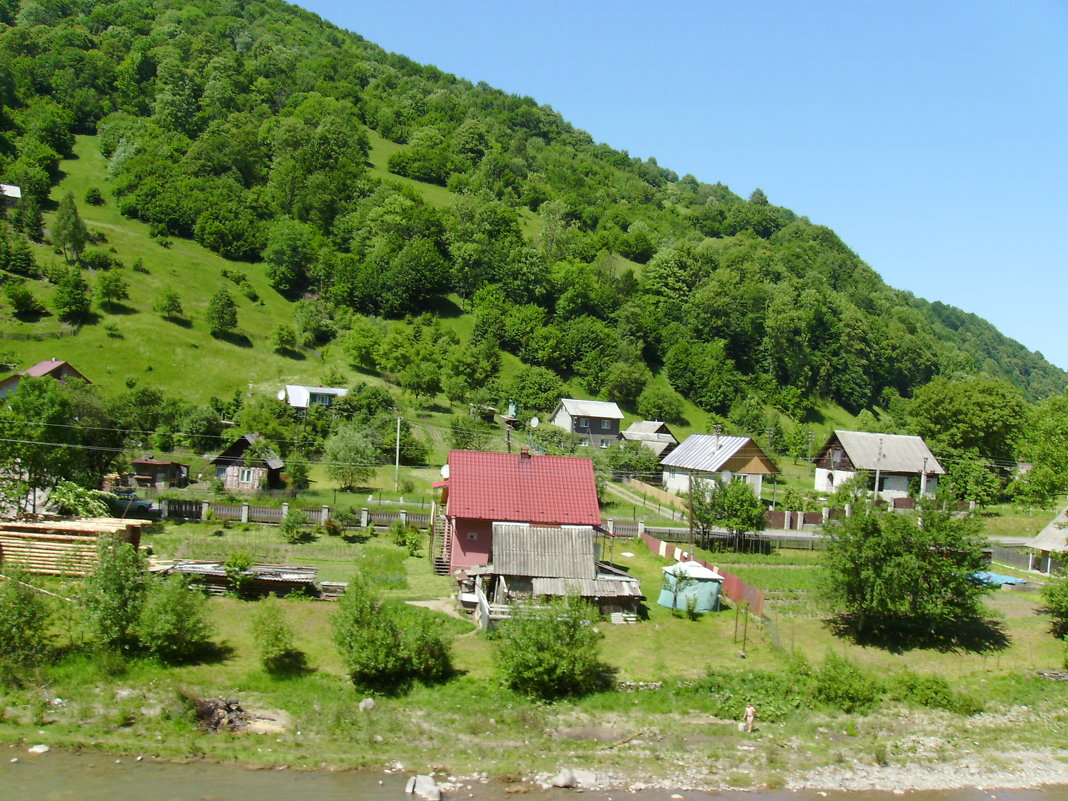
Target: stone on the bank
39,749
585,778
565,778
423,786
367,704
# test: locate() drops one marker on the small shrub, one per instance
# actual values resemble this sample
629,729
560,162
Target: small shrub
24,616
370,643
430,655
273,636
111,328
294,527
406,537
248,291
237,567
139,266
94,197
114,595
1055,597
931,691
552,652
174,625
842,684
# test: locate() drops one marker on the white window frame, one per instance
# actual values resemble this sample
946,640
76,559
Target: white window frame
606,425
604,444
245,477
584,442
584,422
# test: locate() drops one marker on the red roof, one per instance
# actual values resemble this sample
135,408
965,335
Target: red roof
43,368
510,487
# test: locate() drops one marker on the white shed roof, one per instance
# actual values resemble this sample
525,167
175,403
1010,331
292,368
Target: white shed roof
7,190
694,570
1053,537
591,408
300,396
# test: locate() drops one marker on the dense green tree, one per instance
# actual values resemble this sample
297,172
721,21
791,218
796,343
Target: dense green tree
111,288
114,595
350,455
1055,597
888,572
168,304
221,315
535,390
24,618
657,402
730,505
71,300
68,230
552,652
1045,446
982,415
289,253
22,301
174,624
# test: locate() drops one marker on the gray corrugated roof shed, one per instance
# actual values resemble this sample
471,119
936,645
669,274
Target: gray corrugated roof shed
708,452
591,408
600,587
900,453
520,550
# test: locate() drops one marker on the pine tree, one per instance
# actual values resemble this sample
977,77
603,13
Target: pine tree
68,230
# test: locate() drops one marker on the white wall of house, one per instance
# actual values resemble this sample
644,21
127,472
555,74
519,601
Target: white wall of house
895,485
562,418
678,480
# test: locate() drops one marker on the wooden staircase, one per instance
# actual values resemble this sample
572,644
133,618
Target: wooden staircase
440,545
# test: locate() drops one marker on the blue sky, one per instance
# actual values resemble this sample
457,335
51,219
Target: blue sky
932,136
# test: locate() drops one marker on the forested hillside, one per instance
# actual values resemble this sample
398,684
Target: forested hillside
247,126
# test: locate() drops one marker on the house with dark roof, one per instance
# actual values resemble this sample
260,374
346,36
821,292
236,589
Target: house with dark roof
891,460
653,434
593,423
248,472
152,472
715,457
52,368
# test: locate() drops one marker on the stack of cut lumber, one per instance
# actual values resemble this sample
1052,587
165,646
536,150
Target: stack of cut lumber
61,547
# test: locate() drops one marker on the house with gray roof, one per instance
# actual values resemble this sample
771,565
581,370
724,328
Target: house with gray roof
1050,545
654,435
593,423
302,397
715,457
892,461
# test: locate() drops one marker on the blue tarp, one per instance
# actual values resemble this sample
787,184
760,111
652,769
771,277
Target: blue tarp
997,579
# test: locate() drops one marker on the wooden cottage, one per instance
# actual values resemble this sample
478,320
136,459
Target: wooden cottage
248,472
150,472
891,461
719,458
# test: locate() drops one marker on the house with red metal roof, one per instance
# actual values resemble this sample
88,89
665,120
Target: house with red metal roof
53,368
486,488
523,527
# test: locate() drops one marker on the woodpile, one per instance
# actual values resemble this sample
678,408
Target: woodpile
61,547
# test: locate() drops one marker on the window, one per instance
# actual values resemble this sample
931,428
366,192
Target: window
604,444
584,422
606,425
584,442
472,536
246,475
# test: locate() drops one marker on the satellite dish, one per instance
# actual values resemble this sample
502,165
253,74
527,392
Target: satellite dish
534,422
281,394
445,471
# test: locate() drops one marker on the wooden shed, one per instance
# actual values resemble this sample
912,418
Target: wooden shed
62,547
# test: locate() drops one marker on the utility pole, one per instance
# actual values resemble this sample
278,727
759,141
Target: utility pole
923,479
396,460
878,467
811,437
690,477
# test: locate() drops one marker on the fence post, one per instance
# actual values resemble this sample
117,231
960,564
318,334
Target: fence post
325,515
163,509
285,509
787,517
205,510
826,512
244,512
849,510
610,525
365,517
404,517
641,527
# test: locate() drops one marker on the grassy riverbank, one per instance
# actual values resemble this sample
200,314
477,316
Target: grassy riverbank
680,732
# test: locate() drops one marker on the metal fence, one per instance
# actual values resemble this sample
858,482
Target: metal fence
1025,559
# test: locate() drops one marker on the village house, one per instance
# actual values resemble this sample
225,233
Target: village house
715,457
526,527
10,195
151,472
53,368
654,435
593,423
248,472
302,397
892,460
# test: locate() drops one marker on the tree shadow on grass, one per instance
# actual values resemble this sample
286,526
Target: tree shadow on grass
977,634
111,307
291,353
179,321
234,338
292,664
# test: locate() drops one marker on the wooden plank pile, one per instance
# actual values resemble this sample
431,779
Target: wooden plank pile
61,547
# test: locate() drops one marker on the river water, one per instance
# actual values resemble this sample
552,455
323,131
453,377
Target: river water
59,776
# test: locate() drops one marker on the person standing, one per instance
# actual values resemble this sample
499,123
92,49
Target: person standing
750,716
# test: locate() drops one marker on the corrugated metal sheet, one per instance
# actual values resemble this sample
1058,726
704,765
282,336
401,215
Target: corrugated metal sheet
589,588
591,408
546,552
900,453
708,452
527,489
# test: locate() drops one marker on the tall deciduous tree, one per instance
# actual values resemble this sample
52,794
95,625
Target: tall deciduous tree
222,313
890,572
68,230
731,505
981,415
350,456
